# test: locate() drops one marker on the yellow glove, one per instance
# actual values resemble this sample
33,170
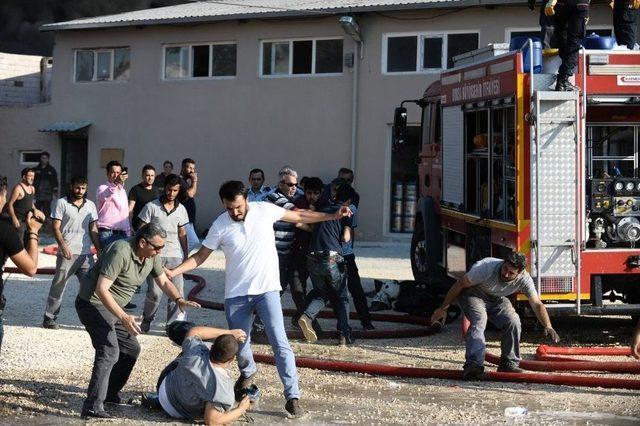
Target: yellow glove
548,8
611,4
635,4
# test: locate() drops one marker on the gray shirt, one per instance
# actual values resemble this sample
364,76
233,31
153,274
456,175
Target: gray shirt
75,223
485,275
195,381
170,221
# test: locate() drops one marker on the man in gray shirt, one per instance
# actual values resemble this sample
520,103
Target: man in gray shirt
482,295
172,217
74,227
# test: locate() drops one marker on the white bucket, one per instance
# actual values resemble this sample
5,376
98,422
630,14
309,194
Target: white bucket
550,61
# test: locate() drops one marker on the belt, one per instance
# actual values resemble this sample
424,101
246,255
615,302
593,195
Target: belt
114,231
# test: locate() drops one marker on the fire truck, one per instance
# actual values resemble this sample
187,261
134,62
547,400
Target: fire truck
507,163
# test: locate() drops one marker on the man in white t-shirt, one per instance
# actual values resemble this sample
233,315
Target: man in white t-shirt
252,280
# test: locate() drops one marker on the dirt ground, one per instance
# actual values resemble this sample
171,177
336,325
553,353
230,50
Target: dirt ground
44,373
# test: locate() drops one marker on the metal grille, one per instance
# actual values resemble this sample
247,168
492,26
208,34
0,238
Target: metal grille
556,284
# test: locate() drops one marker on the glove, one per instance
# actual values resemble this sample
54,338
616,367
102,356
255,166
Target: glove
531,4
549,7
550,332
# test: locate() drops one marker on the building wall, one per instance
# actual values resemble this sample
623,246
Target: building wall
230,126
22,81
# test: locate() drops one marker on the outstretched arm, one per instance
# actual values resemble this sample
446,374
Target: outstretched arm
192,262
308,216
210,333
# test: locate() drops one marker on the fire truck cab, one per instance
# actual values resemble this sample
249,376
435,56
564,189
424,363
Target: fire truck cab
507,164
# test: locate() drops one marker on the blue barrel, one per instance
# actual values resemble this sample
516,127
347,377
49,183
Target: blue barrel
520,42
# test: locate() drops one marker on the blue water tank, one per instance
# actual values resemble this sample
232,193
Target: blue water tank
520,42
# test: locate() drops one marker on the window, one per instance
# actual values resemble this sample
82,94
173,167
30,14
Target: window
425,52
30,158
102,64
200,61
612,150
302,57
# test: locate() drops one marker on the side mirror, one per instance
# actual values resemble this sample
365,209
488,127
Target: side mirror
399,125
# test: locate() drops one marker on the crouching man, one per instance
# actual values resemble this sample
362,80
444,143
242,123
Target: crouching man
197,385
482,295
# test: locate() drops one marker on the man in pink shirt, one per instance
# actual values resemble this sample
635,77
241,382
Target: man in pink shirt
113,206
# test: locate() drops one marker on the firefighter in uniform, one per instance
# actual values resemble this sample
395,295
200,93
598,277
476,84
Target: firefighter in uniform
625,21
571,17
547,27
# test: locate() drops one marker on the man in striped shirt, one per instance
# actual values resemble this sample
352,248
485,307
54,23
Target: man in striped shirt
284,196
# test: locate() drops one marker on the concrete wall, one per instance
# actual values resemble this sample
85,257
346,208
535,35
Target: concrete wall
21,81
230,126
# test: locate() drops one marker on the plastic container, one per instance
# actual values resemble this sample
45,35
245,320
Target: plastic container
523,43
595,42
550,61
515,412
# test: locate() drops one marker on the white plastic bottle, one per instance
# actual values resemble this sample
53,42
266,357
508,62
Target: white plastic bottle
515,412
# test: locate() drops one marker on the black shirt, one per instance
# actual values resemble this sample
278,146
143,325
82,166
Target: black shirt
141,196
188,202
328,235
10,245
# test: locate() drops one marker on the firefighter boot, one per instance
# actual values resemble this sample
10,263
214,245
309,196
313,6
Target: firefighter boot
564,85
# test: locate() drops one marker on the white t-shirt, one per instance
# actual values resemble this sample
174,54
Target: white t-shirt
251,259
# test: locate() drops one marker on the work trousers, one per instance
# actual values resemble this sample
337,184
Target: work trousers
570,25
354,284
154,294
288,279
239,312
625,23
78,265
329,285
116,353
479,307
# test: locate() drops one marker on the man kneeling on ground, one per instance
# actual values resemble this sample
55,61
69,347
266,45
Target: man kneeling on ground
197,385
482,295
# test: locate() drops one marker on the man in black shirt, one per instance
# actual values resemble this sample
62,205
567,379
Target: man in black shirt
327,268
45,183
188,190
11,247
141,194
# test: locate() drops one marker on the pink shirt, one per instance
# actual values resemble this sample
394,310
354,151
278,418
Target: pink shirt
113,207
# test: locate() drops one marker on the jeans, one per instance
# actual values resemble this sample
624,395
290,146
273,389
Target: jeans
354,284
78,265
329,284
116,353
478,307
106,237
154,294
239,312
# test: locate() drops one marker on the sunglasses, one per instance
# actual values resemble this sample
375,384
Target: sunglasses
155,247
290,185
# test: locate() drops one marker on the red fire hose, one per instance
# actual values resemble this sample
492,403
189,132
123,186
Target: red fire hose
413,372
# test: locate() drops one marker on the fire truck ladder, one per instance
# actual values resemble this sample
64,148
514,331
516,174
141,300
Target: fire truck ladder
555,193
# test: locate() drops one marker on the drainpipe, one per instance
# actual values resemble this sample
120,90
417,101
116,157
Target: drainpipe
354,104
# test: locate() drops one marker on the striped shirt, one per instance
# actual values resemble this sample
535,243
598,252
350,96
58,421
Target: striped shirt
284,231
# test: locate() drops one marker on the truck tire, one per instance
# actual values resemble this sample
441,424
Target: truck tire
419,254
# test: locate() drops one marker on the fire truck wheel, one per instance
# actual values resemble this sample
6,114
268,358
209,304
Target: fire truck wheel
419,254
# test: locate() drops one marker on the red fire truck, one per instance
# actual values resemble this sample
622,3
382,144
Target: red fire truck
506,163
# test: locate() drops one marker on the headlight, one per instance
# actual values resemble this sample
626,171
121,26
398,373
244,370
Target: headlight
630,186
619,186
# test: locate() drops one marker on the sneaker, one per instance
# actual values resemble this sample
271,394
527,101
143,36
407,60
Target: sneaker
473,372
346,340
293,407
86,414
244,382
50,323
367,325
145,326
306,326
510,367
151,401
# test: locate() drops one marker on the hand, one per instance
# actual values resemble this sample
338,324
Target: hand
438,315
635,345
183,303
66,251
611,4
344,211
549,331
16,222
33,225
531,4
193,176
129,322
239,335
244,404
168,272
549,8
635,4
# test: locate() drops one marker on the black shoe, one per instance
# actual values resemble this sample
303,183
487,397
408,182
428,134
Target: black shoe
86,414
367,325
346,340
473,372
115,400
293,408
510,367
244,382
151,401
50,323
145,326
129,306
564,85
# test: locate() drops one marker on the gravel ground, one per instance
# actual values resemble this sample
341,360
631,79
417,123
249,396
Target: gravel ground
44,373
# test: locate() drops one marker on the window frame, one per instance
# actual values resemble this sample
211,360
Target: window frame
290,41
421,35
635,158
30,151
509,30
190,46
94,74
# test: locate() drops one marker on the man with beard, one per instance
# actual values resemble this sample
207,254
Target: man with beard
74,227
141,194
252,282
45,183
20,202
482,294
172,217
188,190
